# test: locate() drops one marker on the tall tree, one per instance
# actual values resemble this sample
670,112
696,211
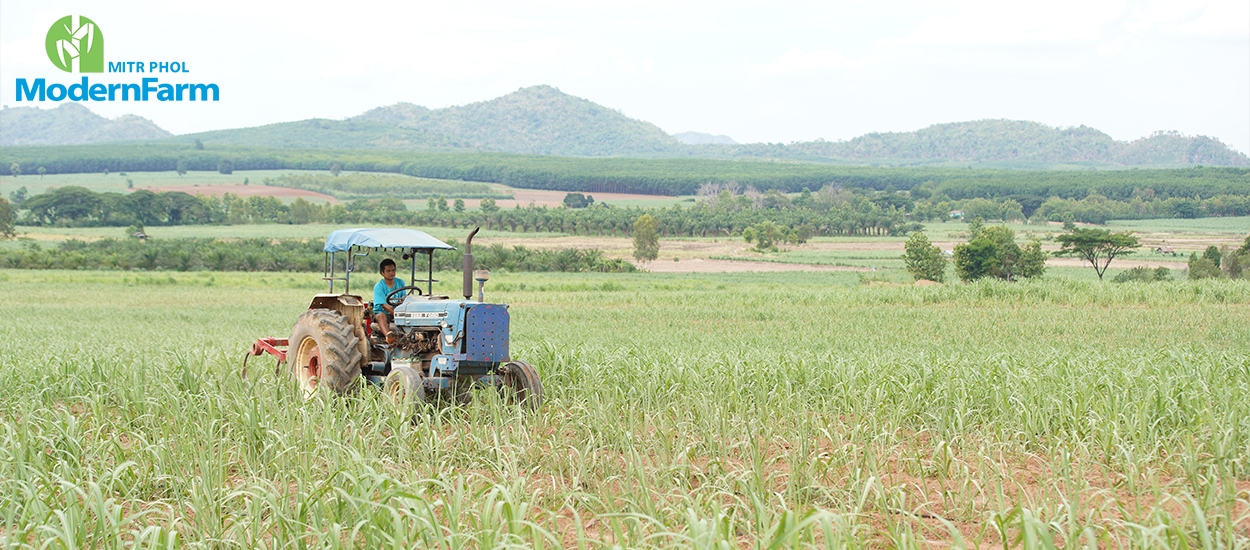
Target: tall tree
7,217
646,239
993,252
924,260
1096,246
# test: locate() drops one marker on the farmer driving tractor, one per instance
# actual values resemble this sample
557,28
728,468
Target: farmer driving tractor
384,313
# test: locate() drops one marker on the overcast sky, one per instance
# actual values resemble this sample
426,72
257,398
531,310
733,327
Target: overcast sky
756,71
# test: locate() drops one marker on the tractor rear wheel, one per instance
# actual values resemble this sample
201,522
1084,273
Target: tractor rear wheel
405,387
324,352
521,385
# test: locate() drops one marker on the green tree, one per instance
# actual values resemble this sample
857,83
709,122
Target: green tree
225,166
15,169
924,260
1032,260
1212,253
765,235
18,197
303,212
181,167
975,225
1203,268
577,200
993,252
975,259
646,239
1096,246
42,171
199,145
336,169
1232,266
488,205
458,205
7,218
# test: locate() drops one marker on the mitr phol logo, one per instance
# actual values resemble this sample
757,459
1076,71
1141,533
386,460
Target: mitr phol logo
76,45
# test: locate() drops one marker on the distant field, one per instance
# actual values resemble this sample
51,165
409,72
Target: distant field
164,181
115,182
1239,225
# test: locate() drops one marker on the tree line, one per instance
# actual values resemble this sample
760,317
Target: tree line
720,211
655,176
846,214
261,254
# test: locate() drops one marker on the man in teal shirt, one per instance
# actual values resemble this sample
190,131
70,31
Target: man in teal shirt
384,313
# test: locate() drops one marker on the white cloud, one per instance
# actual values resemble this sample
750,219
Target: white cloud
795,60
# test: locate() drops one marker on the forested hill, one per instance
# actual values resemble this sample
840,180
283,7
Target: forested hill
542,120
71,124
1004,142
539,120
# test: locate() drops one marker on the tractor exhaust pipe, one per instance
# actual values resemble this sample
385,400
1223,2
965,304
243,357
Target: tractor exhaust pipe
468,264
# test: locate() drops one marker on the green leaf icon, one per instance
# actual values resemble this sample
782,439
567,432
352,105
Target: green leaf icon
75,44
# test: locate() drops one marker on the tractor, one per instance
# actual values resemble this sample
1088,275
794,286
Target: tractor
439,350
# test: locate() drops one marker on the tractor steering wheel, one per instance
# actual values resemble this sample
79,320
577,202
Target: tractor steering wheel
394,300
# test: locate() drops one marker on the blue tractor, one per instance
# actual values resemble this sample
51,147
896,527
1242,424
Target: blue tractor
441,347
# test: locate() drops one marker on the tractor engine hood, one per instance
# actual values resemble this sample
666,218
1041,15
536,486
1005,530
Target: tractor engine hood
469,331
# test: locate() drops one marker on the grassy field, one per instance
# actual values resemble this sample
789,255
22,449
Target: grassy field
735,410
1238,225
116,182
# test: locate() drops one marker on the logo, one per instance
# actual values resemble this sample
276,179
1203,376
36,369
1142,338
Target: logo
76,45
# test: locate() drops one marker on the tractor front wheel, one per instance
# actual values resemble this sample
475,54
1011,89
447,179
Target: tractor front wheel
521,385
324,352
406,388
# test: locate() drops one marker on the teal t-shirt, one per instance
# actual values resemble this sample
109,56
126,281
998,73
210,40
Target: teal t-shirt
380,291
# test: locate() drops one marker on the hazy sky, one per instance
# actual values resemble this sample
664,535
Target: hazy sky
756,71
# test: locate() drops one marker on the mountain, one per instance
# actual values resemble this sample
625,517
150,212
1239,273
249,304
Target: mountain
1011,142
71,124
542,120
539,120
699,138
320,133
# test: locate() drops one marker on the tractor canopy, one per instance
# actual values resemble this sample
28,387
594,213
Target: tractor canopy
344,239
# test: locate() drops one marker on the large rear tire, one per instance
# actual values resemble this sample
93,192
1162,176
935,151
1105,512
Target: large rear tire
325,352
521,385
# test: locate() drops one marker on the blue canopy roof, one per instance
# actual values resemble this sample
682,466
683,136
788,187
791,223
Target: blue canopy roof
344,239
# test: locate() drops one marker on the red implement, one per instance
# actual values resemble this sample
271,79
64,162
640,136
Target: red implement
273,346
276,347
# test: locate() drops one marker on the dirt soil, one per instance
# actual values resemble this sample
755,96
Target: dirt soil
244,191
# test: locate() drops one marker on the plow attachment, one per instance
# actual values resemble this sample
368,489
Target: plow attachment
276,347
